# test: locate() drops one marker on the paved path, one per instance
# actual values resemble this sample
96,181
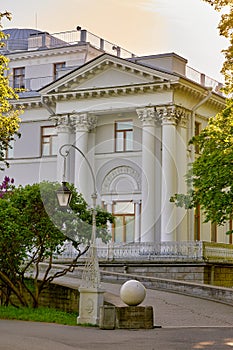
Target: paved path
187,323
17,335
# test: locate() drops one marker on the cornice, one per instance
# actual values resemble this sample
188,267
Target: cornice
108,91
18,56
199,92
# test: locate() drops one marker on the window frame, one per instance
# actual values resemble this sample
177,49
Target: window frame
56,67
122,215
51,141
19,74
197,130
124,132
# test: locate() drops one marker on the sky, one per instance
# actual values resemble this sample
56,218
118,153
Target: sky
144,27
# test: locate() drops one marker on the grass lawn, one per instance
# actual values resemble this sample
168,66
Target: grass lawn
41,314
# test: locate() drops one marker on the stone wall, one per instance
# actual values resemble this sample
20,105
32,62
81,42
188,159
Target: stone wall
215,274
60,297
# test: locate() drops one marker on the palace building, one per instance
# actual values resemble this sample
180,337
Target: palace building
131,116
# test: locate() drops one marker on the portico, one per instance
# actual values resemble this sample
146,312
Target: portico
133,124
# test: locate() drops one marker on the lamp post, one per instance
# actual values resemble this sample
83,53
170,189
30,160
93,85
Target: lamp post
91,295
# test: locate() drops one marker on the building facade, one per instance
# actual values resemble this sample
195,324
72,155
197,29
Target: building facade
131,117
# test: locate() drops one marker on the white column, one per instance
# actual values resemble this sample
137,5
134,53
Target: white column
147,116
83,181
64,131
137,237
182,167
169,175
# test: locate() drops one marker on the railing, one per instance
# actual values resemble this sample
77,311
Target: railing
161,251
80,36
44,40
218,252
174,251
203,79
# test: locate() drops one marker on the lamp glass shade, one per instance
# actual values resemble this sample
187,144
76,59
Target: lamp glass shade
64,195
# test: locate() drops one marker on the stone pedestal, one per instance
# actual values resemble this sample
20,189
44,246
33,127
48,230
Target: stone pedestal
126,317
134,317
90,301
107,317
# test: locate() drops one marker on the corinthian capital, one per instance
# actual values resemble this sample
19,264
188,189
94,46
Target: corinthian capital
83,122
172,115
147,115
62,123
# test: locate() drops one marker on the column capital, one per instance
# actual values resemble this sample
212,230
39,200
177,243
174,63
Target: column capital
63,123
147,115
173,115
83,121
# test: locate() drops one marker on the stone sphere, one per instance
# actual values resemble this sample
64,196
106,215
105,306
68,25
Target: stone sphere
132,293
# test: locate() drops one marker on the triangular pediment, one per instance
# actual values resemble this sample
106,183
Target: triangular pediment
106,72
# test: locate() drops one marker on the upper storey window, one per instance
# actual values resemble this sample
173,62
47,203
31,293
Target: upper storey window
124,136
19,78
56,68
48,141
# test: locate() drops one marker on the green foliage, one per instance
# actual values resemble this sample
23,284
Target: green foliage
40,314
226,29
33,229
9,116
211,177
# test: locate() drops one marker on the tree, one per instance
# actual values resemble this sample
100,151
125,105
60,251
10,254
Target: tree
210,179
33,230
226,29
9,116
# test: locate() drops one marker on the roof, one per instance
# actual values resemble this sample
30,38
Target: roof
18,38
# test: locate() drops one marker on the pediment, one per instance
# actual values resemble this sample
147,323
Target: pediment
106,72
113,76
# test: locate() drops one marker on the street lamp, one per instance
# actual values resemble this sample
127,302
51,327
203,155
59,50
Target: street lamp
91,295
64,195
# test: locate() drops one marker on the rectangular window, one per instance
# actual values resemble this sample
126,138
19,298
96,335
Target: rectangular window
124,136
213,232
197,223
124,222
197,132
230,228
19,78
56,68
48,141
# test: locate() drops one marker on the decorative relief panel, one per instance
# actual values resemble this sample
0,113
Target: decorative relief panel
121,170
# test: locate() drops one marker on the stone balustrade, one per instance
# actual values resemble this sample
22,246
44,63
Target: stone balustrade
160,251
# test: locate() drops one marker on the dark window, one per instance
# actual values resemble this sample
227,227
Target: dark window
197,223
197,132
230,228
213,232
56,68
19,78
124,136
